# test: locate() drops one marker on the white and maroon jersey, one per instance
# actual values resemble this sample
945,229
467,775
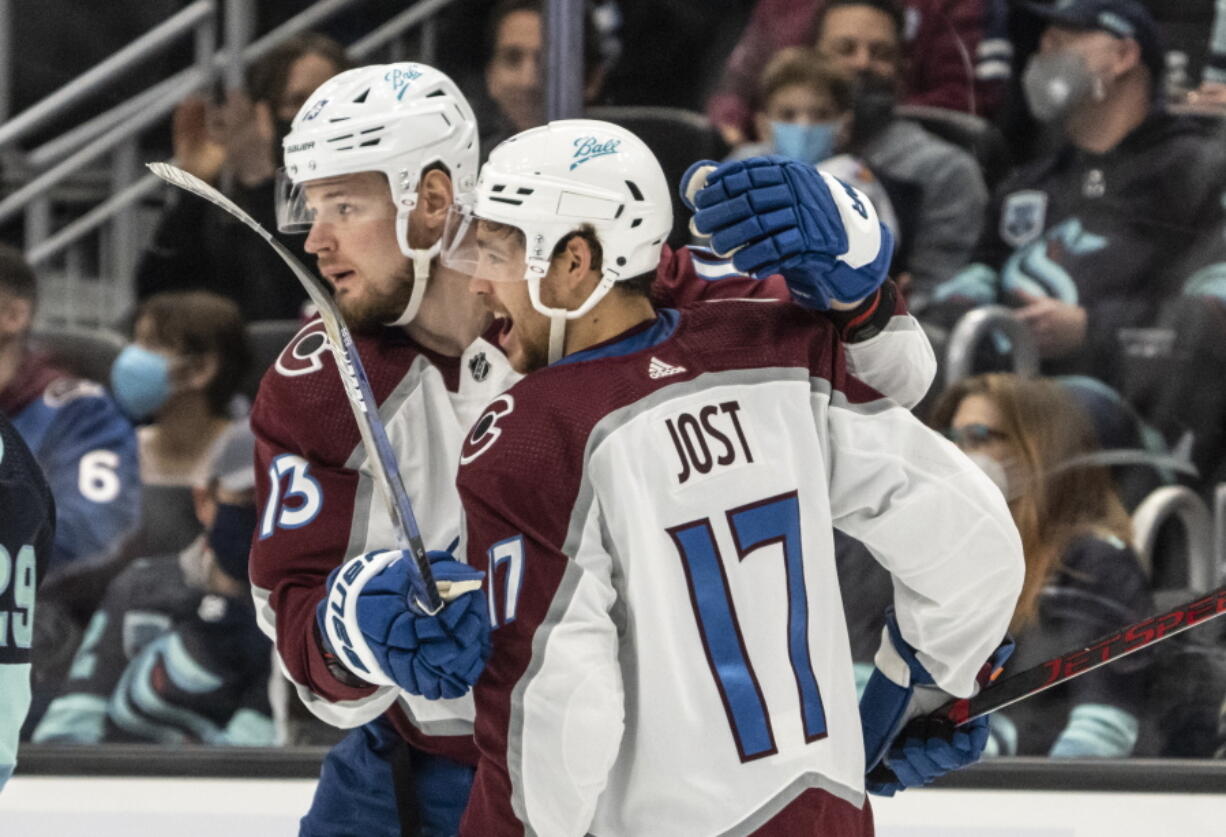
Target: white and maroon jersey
319,506
654,516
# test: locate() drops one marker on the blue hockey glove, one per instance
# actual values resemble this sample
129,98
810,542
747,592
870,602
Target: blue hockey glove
904,744
379,637
777,215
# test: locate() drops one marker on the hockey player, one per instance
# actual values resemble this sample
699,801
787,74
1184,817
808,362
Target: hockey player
375,160
27,528
653,507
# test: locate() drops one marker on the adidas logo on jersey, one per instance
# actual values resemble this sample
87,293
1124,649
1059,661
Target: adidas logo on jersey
659,369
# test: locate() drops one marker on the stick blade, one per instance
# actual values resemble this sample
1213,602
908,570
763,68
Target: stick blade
188,182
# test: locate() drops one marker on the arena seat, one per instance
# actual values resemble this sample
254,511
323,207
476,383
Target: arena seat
976,135
265,339
85,352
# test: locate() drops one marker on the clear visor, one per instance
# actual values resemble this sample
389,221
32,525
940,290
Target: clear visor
346,199
483,249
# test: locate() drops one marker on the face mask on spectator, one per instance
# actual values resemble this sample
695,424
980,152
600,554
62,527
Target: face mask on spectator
996,471
140,381
807,143
873,104
1056,83
230,538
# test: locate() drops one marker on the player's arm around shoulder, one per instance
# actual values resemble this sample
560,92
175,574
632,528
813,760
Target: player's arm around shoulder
810,237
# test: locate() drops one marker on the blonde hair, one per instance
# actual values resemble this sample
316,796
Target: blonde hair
1054,504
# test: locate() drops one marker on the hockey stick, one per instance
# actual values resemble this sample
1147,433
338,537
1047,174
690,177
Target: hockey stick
1106,649
1057,670
356,386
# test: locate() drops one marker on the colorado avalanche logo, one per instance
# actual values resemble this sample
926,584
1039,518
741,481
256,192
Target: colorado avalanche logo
304,353
486,430
589,148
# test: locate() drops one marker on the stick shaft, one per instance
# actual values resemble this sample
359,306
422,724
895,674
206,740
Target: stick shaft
354,382
1104,650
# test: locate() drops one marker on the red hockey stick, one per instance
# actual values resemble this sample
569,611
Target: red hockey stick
1077,662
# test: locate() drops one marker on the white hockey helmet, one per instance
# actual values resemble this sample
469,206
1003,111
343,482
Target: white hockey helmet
397,119
547,182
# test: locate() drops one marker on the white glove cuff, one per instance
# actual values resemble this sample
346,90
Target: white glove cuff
341,623
890,663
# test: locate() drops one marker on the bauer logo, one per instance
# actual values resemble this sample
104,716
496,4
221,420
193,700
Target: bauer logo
302,146
315,110
589,148
400,80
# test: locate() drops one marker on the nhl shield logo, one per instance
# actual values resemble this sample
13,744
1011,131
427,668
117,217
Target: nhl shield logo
479,366
1022,217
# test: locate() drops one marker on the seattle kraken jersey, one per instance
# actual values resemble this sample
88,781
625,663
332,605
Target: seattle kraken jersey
27,524
654,519
1116,233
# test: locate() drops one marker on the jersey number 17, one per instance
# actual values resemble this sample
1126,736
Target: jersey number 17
753,526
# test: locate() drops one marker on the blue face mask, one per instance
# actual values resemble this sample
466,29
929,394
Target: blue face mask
808,143
140,381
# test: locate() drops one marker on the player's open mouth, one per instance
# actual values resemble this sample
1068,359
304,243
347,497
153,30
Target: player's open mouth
505,325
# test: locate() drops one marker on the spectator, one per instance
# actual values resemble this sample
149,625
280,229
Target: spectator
174,653
804,111
514,86
936,188
942,39
237,143
1090,240
83,443
181,375
1082,579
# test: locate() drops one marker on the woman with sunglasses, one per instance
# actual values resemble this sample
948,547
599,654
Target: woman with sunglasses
1083,578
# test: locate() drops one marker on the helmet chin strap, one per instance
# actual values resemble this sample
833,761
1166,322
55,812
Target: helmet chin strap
559,316
422,260
557,337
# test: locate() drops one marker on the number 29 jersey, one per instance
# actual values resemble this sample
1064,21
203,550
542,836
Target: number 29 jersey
27,524
655,520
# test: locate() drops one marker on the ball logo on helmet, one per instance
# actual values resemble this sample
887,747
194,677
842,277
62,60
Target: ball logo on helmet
400,80
589,148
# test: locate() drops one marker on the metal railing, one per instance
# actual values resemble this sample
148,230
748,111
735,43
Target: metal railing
1219,530
199,17
974,326
1182,503
117,131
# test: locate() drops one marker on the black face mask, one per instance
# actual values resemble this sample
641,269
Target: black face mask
873,105
230,538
